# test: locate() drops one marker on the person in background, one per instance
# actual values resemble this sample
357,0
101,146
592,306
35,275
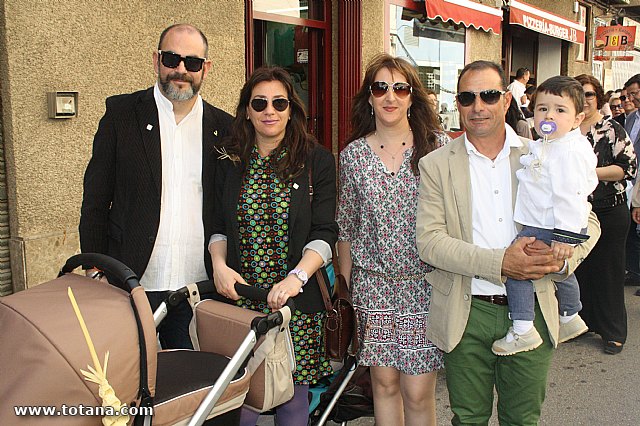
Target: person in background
635,210
148,187
519,86
393,127
516,120
632,126
270,230
627,106
615,105
433,101
464,223
601,275
525,109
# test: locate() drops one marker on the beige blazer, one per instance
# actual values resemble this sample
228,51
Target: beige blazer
445,240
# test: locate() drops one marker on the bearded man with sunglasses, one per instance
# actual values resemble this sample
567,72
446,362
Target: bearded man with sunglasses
148,188
465,230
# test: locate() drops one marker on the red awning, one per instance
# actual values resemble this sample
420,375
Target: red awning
545,22
466,12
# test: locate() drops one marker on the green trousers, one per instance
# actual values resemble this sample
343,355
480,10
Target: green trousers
473,371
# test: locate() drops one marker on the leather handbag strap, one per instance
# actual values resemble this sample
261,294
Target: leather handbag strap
323,289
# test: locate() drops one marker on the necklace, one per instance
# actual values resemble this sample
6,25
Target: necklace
393,155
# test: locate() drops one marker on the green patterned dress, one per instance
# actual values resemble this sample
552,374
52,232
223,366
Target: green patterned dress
263,213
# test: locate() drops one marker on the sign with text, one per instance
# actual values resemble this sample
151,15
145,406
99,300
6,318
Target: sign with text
545,22
615,38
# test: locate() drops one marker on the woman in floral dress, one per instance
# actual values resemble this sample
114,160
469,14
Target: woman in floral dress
267,230
393,127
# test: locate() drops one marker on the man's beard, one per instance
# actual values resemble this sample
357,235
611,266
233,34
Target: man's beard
173,93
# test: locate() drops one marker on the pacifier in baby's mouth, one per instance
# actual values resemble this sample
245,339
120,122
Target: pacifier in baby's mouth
548,127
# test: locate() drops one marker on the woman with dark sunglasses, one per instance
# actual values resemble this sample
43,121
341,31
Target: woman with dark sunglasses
601,275
269,231
393,126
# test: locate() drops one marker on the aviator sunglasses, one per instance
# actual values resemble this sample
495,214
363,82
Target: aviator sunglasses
260,104
172,60
380,88
489,97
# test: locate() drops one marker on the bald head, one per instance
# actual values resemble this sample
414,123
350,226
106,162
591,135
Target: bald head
187,28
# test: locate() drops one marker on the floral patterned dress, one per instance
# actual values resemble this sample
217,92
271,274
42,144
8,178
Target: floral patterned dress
263,213
377,214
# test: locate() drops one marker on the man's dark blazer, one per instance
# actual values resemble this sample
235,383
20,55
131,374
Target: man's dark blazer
307,222
120,212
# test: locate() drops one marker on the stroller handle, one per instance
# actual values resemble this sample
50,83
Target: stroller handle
259,294
208,288
125,278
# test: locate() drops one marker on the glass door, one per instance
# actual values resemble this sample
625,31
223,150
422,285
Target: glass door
294,35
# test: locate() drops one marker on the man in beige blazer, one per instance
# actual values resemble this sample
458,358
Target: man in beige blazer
465,230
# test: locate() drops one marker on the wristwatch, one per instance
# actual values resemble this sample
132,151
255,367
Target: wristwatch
301,275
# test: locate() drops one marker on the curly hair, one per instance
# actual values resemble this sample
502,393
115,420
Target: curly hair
297,140
423,120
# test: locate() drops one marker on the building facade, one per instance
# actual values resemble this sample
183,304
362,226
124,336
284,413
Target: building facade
99,49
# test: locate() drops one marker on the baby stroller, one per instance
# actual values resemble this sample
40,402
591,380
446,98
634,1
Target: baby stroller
343,397
347,396
43,350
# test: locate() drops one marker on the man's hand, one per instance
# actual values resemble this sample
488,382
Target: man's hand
635,214
517,264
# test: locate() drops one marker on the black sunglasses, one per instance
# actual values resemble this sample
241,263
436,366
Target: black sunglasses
489,97
589,95
380,88
172,60
260,104
615,106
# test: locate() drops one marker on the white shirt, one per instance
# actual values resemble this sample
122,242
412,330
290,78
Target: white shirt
517,88
554,183
492,204
177,258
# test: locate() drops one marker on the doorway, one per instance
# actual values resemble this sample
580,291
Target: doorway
296,38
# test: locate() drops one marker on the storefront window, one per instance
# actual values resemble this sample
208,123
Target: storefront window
436,49
305,9
583,49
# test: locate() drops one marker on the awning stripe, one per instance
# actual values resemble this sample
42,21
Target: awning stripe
466,12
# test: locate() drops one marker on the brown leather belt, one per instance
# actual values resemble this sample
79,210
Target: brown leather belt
495,299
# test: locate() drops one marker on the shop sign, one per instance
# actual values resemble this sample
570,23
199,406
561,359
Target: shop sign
615,38
545,22
612,58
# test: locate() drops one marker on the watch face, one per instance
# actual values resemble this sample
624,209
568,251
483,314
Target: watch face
302,275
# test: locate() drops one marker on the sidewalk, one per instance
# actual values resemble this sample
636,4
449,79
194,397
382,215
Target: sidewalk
585,386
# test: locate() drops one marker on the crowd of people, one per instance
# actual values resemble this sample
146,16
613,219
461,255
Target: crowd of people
480,254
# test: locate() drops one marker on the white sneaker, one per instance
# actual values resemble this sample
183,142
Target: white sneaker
520,343
572,329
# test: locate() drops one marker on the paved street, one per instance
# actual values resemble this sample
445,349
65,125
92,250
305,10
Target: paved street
586,386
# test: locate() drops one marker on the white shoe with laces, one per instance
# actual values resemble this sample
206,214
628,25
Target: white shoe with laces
516,342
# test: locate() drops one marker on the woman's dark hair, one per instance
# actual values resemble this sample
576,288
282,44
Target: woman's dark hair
297,140
422,120
513,114
597,87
